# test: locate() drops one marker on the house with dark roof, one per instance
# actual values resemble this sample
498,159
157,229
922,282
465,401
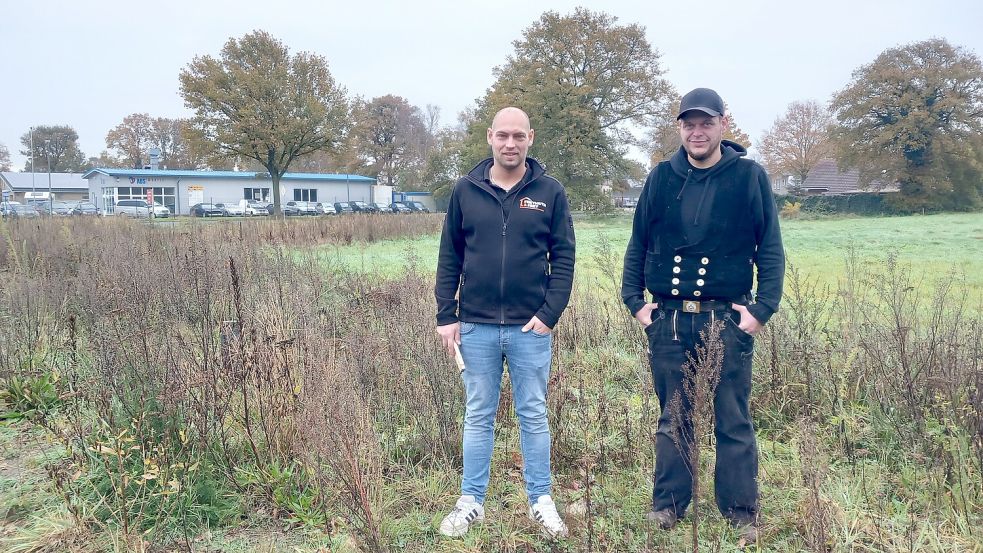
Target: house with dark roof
828,179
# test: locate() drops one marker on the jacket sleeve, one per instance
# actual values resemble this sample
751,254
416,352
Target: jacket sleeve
450,259
633,274
562,252
770,257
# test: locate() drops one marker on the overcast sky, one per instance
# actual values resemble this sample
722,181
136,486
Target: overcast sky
89,64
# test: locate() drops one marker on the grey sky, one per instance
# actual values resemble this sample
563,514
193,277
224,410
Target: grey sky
89,64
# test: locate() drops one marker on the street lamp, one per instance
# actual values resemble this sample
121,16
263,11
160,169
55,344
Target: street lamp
47,152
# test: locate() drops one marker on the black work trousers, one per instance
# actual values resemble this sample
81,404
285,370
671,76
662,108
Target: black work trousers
671,335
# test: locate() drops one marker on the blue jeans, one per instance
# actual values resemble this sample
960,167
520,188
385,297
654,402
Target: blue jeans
484,347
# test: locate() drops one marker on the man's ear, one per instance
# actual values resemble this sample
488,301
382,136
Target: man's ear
488,136
532,135
725,122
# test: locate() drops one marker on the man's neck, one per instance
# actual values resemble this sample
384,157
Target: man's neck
506,178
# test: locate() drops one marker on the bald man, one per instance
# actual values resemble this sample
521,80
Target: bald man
504,275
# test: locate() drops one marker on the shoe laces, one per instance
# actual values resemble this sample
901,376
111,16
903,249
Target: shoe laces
461,510
547,512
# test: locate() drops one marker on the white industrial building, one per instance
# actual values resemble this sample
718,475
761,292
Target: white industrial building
179,190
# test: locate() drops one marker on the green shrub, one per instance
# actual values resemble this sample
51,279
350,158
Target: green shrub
29,398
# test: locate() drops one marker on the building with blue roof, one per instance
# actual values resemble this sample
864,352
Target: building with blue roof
179,190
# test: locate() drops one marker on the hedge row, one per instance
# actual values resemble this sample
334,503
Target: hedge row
865,203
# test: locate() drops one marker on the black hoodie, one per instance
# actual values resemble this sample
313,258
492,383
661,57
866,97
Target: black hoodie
505,263
697,234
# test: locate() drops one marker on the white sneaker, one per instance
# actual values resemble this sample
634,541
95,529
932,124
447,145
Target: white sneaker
466,512
544,512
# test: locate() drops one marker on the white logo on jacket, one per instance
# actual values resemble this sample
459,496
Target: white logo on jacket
529,203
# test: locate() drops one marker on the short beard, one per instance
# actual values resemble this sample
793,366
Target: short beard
700,157
705,156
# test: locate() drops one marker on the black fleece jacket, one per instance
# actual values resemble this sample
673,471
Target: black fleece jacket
503,264
720,221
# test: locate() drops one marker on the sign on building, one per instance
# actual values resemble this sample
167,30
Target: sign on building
196,194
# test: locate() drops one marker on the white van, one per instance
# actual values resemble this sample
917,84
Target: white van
37,197
141,208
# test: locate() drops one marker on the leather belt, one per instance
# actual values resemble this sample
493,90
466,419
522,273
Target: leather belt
694,306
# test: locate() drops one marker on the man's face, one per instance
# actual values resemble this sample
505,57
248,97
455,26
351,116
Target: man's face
510,138
701,134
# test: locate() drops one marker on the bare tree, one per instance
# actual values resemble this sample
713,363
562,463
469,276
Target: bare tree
797,140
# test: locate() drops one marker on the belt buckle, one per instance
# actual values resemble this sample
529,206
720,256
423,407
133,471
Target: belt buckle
690,306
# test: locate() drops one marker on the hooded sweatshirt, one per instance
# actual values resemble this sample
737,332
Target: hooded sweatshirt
505,257
698,234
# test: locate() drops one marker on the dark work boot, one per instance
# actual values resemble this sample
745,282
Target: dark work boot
666,518
747,531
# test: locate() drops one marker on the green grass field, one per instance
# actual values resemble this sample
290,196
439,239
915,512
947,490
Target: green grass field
934,246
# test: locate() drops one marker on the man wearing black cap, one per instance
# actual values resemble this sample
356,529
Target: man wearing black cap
705,219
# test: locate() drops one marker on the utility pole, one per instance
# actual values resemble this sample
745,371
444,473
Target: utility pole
47,152
33,169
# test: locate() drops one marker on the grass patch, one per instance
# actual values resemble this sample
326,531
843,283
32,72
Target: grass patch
934,246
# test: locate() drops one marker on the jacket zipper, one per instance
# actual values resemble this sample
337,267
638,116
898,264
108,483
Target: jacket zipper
501,292
505,226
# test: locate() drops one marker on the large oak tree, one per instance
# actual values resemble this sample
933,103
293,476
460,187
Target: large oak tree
55,143
914,116
586,82
259,102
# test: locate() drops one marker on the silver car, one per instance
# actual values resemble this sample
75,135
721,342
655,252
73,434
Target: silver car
235,210
141,208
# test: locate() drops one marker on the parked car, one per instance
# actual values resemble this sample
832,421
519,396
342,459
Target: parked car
58,209
289,209
303,208
18,211
325,208
37,205
261,208
417,207
400,207
141,208
232,210
382,208
86,208
6,207
343,207
207,210
362,207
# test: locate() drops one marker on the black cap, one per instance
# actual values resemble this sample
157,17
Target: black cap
702,99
